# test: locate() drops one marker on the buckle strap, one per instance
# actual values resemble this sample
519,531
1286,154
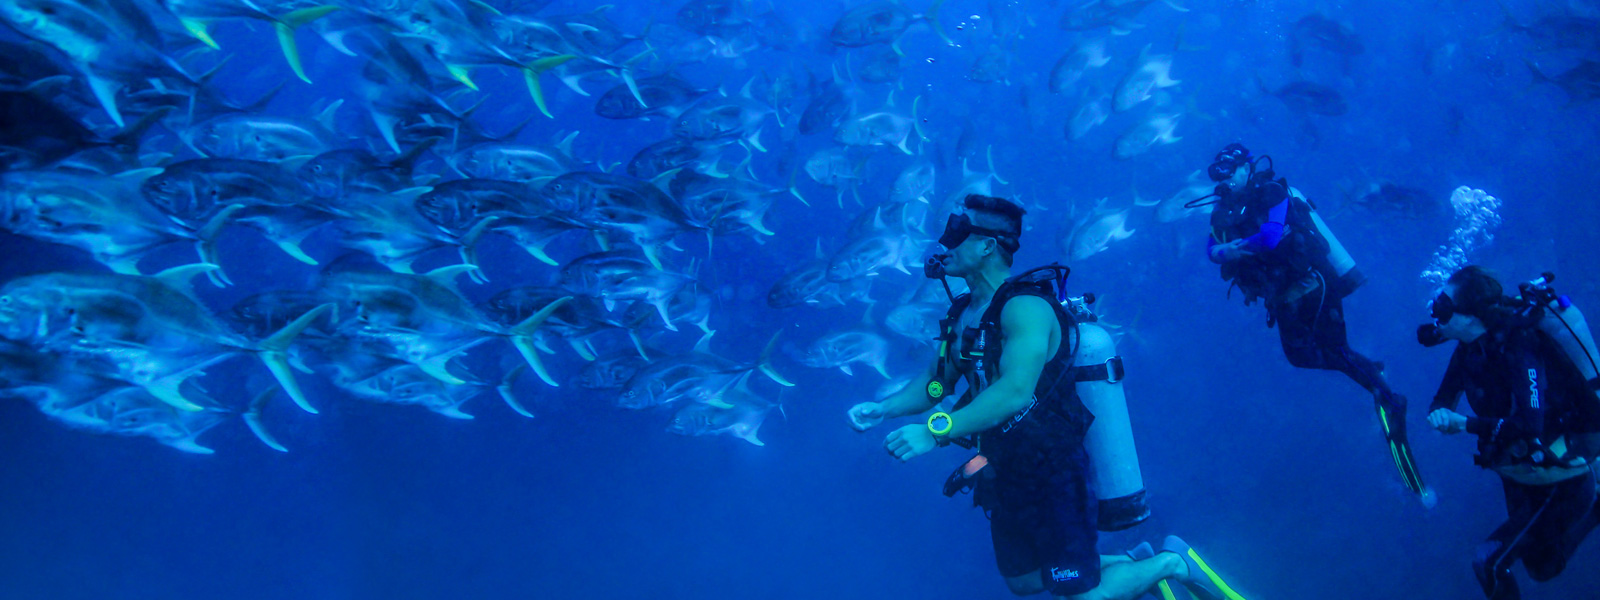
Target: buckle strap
1111,371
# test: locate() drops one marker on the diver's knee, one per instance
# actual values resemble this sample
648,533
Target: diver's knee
1483,561
1025,585
1544,571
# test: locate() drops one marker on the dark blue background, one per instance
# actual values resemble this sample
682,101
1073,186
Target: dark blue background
1277,475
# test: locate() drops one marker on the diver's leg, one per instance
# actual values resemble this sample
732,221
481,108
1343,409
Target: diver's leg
1335,353
1568,520
1122,578
1525,505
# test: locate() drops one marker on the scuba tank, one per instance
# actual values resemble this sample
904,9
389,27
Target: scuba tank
1564,323
1115,477
1344,266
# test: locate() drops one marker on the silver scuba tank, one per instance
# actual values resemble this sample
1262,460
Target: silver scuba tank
1344,266
1114,476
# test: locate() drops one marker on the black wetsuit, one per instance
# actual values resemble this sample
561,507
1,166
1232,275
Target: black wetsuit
1521,390
1042,513
1290,273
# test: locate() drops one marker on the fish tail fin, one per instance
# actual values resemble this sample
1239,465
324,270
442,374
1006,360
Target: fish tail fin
992,171
129,136
522,338
285,28
1538,75
531,74
252,418
765,364
933,21
273,352
438,366
105,91
916,120
794,190
505,391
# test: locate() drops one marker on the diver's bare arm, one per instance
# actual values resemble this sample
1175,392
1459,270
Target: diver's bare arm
913,399
1026,323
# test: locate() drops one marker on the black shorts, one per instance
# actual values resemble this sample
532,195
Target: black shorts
1048,525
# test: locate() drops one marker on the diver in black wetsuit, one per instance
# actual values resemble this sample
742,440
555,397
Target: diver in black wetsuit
1044,400
1536,423
1272,245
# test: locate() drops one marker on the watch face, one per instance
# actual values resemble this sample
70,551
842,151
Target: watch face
935,389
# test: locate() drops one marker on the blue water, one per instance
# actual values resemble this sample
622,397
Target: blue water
1277,475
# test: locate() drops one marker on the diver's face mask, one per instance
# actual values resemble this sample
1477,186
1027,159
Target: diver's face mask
1227,162
1225,170
1443,309
959,227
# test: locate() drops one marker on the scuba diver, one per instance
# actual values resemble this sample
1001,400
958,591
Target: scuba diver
1271,243
1527,367
1045,402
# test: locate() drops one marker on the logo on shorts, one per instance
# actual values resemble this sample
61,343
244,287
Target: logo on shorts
1060,574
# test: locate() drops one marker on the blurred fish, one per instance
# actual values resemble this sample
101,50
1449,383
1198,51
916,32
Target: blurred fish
618,277
1561,30
1072,66
808,284
914,184
664,95
1090,115
883,245
881,22
917,320
199,194
1307,97
1154,131
112,44
335,174
102,215
282,15
833,167
741,418
1399,200
424,318
517,162
724,117
991,66
727,205
721,18
1119,15
880,66
1173,209
1153,73
260,315
1094,232
607,202
702,156
1581,83
876,129
830,103
37,134
697,377
842,349
139,322
264,138
610,372
1315,30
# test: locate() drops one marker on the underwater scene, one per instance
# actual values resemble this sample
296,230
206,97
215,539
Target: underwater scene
1171,299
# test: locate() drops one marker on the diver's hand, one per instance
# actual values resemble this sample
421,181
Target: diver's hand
1447,421
866,415
910,442
1233,251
